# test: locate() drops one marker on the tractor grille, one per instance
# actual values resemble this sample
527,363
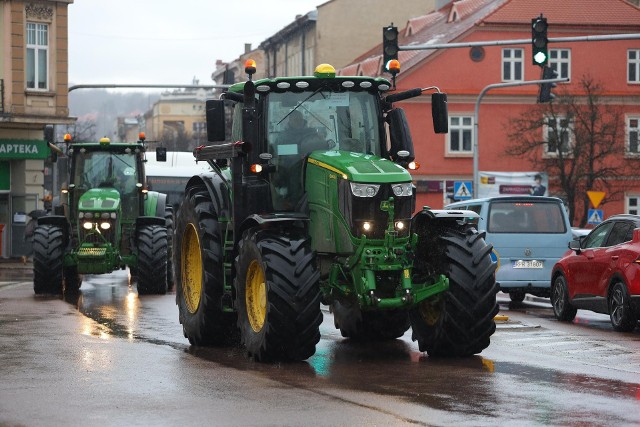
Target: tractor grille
358,210
91,252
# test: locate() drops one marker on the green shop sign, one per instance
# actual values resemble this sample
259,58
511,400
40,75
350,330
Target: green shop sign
23,149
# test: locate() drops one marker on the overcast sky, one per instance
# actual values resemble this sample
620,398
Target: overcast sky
168,41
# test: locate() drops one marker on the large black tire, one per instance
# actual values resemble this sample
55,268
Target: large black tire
199,272
562,308
460,321
623,318
152,260
278,295
72,280
168,216
368,325
48,254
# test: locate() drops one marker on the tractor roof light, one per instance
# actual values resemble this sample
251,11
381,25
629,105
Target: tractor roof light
250,67
142,136
67,137
256,168
393,66
105,141
413,166
326,71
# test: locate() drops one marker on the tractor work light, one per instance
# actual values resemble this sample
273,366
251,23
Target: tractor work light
105,225
413,166
401,190
366,226
87,225
364,190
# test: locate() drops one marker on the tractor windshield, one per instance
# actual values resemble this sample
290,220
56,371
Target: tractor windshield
104,169
302,122
299,123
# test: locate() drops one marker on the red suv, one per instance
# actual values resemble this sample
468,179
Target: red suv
601,273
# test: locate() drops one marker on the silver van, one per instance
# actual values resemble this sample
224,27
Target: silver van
528,233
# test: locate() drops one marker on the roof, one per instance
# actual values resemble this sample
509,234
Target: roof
457,19
568,12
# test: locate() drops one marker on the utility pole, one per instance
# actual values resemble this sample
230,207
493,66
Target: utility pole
476,154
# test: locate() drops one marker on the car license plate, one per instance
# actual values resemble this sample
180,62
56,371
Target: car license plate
528,263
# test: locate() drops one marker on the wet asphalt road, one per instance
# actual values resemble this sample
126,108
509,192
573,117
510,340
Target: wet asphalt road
110,358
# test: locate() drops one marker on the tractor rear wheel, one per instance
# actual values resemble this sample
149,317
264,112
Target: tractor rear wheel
72,280
278,295
368,325
152,260
48,253
460,321
199,272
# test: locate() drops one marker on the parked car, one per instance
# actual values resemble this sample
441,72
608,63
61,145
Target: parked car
601,273
529,235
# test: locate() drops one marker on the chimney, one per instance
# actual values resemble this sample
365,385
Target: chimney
247,47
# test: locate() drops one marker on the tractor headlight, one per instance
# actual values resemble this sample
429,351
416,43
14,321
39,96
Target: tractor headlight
364,190
87,225
367,226
105,225
404,189
400,225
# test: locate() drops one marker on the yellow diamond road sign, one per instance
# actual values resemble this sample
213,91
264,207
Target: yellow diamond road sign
596,197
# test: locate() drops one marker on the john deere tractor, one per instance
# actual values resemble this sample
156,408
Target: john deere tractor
107,221
311,202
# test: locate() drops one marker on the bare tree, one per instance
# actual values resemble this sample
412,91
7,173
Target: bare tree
82,131
578,140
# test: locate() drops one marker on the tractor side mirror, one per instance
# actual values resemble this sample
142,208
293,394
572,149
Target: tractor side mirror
161,154
440,113
400,135
215,120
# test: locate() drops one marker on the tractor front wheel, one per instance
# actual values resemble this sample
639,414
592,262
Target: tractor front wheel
152,260
460,321
368,325
278,295
48,253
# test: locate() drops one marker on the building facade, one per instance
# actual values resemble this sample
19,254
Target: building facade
33,93
464,73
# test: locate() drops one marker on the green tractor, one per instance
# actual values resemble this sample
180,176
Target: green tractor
312,204
107,220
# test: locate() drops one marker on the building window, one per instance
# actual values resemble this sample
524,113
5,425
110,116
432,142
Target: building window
632,204
199,127
560,62
633,65
632,135
557,135
512,65
460,135
37,55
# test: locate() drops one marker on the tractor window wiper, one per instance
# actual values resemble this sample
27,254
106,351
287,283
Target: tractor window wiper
315,92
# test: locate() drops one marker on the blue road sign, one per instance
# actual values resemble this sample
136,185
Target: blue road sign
462,190
595,216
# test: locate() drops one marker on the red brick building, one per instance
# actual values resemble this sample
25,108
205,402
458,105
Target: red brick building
463,73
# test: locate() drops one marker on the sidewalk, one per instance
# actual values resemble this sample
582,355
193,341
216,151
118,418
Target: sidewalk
16,263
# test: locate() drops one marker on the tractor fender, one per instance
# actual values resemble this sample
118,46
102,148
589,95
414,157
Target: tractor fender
57,220
219,189
286,220
143,221
427,216
155,204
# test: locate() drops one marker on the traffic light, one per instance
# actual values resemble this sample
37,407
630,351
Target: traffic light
389,46
539,40
545,94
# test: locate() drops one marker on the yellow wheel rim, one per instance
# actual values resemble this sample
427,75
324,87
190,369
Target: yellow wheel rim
256,296
191,266
431,310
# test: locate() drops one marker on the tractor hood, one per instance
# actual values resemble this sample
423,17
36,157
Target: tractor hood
100,199
358,167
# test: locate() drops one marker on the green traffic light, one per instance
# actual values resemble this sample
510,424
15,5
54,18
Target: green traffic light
540,58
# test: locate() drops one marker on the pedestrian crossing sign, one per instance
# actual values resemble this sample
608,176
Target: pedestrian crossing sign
462,190
594,216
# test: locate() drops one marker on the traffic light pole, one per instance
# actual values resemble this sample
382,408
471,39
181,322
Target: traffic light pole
609,37
476,154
